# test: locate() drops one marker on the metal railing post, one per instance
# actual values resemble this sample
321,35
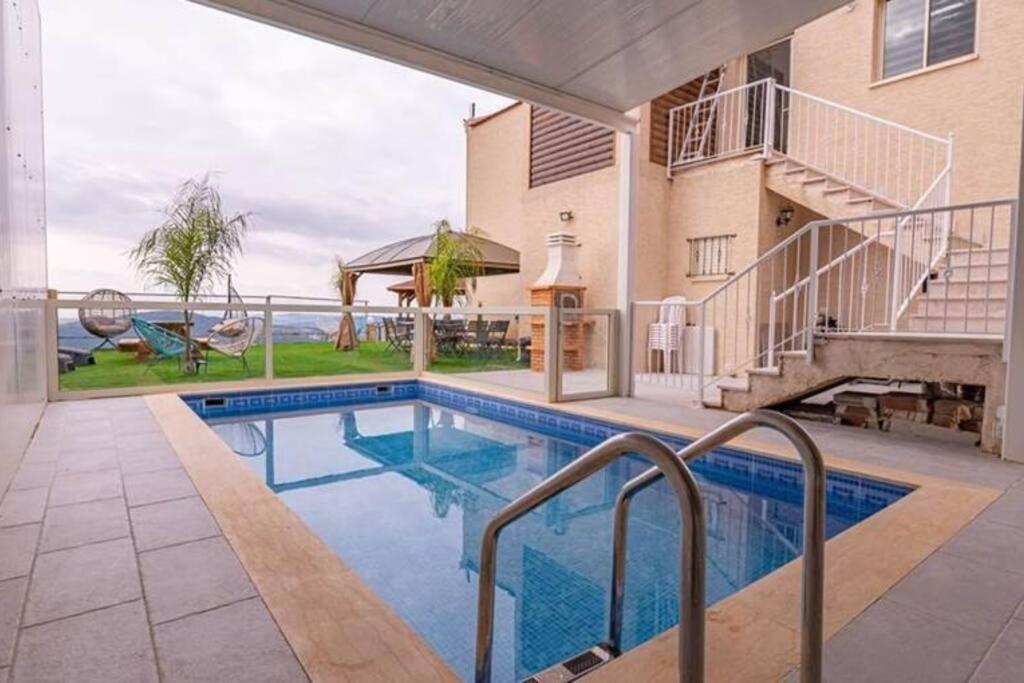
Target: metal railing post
268,340
769,118
701,350
812,604
897,275
811,296
771,330
692,558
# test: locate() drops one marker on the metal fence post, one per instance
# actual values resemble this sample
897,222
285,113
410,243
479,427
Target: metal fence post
268,341
701,335
419,348
552,355
897,276
51,327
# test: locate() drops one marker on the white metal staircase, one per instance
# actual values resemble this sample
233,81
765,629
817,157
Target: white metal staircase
893,258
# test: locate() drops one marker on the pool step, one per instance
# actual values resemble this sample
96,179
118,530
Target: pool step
574,668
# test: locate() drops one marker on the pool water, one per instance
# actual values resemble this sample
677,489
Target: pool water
402,491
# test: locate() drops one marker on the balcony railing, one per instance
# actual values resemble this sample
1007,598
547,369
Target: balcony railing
870,154
552,354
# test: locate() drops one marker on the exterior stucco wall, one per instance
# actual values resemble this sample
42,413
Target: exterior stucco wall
977,99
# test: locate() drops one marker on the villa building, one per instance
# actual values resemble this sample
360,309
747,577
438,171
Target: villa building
917,106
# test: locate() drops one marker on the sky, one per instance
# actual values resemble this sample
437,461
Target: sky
332,151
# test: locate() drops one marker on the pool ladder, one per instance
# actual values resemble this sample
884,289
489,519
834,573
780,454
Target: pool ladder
672,466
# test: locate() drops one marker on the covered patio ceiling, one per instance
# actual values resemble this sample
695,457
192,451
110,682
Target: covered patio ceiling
596,59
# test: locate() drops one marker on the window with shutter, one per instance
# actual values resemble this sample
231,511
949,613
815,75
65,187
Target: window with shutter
919,33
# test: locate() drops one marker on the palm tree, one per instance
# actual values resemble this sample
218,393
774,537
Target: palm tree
456,260
194,246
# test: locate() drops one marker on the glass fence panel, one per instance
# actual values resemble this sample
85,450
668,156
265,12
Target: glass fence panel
485,347
586,354
315,343
110,345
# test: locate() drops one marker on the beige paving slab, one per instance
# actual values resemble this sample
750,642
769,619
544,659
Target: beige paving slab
81,487
172,522
12,597
157,486
77,524
17,549
33,475
69,582
23,507
104,646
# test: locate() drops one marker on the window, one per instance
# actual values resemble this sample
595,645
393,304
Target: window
710,255
919,33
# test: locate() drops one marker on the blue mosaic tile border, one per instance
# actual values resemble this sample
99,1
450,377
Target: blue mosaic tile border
754,469
208,406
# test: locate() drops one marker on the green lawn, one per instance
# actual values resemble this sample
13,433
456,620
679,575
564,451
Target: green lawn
120,369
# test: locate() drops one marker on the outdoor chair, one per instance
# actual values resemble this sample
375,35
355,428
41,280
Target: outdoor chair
397,339
496,338
476,334
450,336
106,313
165,344
666,335
235,337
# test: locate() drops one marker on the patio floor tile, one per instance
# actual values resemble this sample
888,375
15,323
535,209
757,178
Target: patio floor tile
12,596
1009,509
73,525
72,581
193,577
106,646
1005,661
171,522
17,549
893,642
962,591
236,642
33,475
989,543
148,460
23,507
155,487
87,461
81,487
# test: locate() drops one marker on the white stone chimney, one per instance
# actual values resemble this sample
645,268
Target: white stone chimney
562,266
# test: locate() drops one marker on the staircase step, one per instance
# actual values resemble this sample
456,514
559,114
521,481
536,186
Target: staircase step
954,308
954,325
794,170
940,289
979,257
811,179
835,189
775,160
766,372
977,273
860,199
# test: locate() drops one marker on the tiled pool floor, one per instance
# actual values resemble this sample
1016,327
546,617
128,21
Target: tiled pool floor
112,568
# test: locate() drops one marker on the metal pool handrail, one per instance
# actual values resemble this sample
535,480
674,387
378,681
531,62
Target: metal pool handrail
813,599
691,556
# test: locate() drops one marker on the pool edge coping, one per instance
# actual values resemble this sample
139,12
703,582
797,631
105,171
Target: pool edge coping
757,626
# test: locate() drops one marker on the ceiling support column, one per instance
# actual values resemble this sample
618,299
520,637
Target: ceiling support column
627,156
1013,345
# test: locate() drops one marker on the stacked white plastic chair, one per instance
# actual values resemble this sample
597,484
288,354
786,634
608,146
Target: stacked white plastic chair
665,337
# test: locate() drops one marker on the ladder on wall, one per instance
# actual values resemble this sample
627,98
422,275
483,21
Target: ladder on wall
702,120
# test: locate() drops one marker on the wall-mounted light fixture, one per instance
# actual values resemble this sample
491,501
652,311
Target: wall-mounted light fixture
784,217
565,216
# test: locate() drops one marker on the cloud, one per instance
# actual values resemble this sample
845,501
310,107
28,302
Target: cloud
331,150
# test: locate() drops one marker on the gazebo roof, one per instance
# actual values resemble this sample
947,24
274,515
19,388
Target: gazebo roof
398,258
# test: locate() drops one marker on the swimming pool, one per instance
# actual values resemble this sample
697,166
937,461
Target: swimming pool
400,480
